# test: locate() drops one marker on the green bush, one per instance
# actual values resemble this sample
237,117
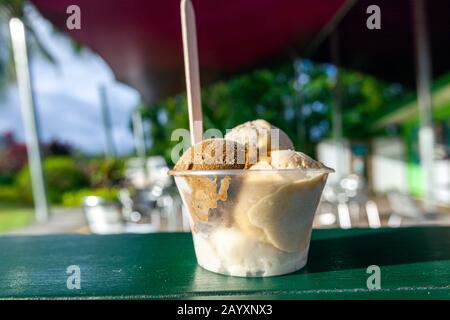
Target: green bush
6,179
10,195
105,173
75,198
62,174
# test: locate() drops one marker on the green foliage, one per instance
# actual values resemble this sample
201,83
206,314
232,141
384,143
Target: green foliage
68,180
165,118
75,198
298,97
13,8
62,173
10,194
6,179
105,172
17,8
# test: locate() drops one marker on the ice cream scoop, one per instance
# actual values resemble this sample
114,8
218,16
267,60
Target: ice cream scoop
287,159
260,138
210,154
213,154
286,215
276,208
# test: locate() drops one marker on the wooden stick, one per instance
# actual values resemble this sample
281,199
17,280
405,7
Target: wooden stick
192,73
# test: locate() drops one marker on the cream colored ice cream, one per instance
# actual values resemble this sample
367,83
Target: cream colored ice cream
287,159
256,220
283,216
275,208
260,139
290,159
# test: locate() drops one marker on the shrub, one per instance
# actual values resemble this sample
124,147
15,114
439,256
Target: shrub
57,148
62,174
105,173
13,155
10,195
6,179
75,198
13,158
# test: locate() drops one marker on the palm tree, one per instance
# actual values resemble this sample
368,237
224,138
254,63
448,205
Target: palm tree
19,9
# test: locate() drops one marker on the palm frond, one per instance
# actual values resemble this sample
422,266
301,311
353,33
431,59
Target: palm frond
18,9
39,46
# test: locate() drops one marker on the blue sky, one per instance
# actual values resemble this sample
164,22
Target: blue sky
67,97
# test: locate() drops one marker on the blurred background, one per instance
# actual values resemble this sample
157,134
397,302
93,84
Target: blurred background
90,97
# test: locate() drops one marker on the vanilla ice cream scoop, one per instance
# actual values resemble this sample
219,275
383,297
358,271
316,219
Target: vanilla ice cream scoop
278,208
290,159
260,139
287,159
286,215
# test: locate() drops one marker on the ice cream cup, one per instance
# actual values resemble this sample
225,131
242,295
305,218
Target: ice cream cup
251,223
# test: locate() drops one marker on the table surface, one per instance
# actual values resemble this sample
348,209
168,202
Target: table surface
414,263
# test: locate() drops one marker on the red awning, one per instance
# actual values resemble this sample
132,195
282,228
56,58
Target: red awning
141,39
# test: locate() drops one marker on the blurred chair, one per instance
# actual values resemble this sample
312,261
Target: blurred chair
403,208
347,201
139,219
153,173
373,214
103,217
158,172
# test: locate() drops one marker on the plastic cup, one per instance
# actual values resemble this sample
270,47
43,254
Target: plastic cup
251,223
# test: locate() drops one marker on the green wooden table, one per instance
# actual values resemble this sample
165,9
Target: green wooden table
414,263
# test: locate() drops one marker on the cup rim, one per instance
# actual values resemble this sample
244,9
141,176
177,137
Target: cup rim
234,172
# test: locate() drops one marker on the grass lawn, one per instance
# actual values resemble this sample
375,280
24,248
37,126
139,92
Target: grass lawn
14,216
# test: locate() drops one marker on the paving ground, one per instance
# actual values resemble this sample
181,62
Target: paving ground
62,220
72,220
